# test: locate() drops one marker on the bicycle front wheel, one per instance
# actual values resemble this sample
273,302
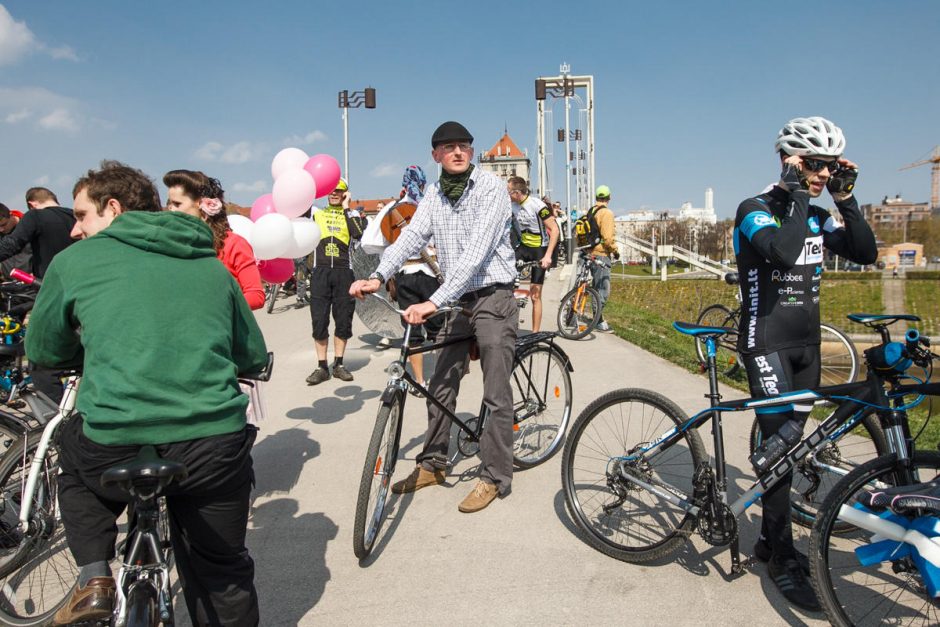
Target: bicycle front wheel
579,312
615,515
837,356
816,475
891,592
541,399
272,296
37,571
377,476
726,356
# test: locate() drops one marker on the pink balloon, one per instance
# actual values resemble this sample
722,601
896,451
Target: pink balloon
276,270
262,205
325,172
293,193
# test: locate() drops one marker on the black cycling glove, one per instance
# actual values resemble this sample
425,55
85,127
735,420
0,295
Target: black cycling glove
793,179
842,181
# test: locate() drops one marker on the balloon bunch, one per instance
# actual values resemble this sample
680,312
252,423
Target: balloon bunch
275,229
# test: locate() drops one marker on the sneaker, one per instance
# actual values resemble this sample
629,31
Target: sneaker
340,372
763,553
788,576
93,602
482,495
419,478
603,327
318,376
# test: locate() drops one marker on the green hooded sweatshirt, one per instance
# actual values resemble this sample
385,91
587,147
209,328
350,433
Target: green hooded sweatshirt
160,326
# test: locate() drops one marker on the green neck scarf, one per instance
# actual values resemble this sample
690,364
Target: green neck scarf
453,185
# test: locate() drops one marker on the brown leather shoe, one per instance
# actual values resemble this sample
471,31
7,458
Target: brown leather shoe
482,495
93,602
419,478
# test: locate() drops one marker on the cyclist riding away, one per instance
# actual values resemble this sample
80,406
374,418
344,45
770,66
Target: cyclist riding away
606,249
779,239
161,330
538,239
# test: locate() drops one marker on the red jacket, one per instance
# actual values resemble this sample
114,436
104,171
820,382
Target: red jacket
239,258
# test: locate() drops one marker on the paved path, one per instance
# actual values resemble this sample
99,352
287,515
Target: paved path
518,562
892,293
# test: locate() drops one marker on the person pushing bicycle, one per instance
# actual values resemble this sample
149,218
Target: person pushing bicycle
779,241
467,212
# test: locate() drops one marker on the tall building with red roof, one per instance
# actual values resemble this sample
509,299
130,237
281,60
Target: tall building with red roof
505,159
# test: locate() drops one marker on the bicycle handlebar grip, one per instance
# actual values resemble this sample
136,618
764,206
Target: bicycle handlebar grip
24,277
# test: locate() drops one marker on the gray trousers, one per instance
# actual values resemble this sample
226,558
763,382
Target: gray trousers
494,319
601,279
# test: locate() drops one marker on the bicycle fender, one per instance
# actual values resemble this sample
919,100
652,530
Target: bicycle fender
389,394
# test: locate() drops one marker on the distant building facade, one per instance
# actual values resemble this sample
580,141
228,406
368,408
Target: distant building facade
505,159
895,212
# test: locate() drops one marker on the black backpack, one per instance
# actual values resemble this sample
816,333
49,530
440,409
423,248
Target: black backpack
586,231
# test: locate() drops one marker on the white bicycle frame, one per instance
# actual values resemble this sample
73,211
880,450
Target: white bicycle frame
66,407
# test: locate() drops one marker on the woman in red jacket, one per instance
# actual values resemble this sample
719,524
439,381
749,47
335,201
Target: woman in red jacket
201,196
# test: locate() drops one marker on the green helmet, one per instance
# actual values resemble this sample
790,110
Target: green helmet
603,192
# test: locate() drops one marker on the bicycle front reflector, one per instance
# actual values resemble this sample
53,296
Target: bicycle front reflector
378,465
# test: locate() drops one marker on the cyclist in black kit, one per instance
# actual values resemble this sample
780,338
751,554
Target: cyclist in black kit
779,239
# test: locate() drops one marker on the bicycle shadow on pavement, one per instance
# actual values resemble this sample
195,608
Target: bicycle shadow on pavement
304,539
326,410
279,459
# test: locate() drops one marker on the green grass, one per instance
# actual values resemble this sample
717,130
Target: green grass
642,313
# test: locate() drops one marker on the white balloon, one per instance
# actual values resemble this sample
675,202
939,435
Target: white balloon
293,193
288,159
241,225
271,236
306,236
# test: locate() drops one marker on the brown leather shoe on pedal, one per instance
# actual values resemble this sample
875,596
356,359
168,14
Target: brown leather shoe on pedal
93,602
482,495
419,478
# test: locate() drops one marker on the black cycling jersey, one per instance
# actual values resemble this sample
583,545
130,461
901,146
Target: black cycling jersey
778,241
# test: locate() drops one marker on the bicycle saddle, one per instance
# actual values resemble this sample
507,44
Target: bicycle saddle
905,499
870,319
146,467
12,350
697,330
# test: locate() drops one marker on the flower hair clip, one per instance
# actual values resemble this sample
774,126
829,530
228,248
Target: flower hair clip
210,206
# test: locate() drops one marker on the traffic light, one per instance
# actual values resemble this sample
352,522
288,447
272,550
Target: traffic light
539,89
561,135
370,98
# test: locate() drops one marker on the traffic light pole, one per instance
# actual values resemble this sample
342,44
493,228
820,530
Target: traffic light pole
353,100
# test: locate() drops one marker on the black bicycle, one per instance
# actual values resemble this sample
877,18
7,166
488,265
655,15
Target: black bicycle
638,481
871,565
541,384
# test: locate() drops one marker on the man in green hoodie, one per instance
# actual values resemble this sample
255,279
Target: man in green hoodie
164,332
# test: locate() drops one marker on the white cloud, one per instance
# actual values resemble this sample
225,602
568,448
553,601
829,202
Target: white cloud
17,116
16,39
312,137
240,152
60,120
257,186
42,180
385,169
209,151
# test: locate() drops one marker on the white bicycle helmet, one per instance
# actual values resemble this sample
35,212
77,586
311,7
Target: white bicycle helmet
813,136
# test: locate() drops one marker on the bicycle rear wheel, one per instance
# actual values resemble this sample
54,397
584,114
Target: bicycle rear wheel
816,475
377,475
726,357
37,571
541,390
579,312
891,592
142,605
615,515
837,356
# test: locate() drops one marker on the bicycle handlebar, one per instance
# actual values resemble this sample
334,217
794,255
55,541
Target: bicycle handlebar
25,277
443,309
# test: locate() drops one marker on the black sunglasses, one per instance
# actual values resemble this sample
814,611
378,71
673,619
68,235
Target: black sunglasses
815,165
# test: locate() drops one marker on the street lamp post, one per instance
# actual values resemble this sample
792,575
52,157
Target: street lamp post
353,100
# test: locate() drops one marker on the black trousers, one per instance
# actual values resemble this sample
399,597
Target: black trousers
329,290
771,374
208,514
413,289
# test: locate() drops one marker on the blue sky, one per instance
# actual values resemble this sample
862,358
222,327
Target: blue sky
689,95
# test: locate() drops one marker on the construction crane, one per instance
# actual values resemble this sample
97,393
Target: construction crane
934,158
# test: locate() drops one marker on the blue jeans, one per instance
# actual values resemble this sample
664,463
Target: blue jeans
601,282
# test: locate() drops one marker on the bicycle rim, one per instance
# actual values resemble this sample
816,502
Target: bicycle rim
615,516
885,593
541,388
38,572
377,477
837,356
578,313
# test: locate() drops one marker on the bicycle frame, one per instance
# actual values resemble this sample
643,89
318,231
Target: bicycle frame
144,558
